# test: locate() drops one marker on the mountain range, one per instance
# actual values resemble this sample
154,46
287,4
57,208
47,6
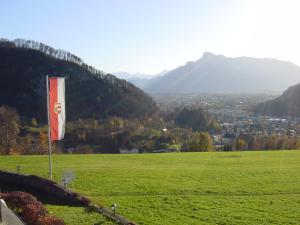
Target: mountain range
91,93
219,74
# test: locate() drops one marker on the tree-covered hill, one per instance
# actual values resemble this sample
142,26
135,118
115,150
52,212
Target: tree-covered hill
90,93
287,104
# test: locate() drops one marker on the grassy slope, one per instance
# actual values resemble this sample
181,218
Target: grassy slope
183,188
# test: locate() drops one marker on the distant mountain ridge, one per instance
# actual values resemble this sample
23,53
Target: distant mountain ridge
138,79
90,93
126,75
219,74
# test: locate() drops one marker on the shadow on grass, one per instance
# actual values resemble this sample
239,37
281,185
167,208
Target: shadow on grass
42,197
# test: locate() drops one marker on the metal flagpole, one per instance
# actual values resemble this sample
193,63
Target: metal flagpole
49,136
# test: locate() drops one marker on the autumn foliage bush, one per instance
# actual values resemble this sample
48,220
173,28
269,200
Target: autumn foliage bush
31,211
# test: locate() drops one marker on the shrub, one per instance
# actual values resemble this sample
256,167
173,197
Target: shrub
50,220
30,209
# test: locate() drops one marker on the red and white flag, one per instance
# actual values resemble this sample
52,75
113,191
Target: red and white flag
57,112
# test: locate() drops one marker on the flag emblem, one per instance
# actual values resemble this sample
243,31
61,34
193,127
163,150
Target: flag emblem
57,107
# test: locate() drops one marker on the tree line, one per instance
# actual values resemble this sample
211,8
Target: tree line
161,132
108,135
48,50
265,142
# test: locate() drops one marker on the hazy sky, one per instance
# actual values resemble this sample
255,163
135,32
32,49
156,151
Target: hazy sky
148,36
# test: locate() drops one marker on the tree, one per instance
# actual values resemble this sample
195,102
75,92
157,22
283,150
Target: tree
34,122
241,144
195,118
201,142
9,128
227,147
42,145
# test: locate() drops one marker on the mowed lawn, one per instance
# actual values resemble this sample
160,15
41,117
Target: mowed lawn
261,187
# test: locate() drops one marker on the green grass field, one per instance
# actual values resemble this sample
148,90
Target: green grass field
180,188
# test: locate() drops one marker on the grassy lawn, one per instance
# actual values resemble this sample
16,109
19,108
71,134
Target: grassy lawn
179,188
78,215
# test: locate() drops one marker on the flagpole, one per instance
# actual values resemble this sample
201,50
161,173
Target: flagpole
49,135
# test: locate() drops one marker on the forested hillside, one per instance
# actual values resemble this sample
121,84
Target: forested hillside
287,104
90,93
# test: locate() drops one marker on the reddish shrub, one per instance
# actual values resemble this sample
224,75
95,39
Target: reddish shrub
17,199
30,209
32,212
51,220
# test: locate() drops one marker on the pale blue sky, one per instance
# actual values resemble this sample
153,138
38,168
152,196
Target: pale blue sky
149,36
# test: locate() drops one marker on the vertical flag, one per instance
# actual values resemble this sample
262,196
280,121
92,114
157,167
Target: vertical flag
57,112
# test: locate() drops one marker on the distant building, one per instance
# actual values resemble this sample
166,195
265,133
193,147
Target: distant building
228,138
164,150
129,151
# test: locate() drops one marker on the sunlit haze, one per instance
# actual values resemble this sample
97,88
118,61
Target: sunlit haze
150,36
